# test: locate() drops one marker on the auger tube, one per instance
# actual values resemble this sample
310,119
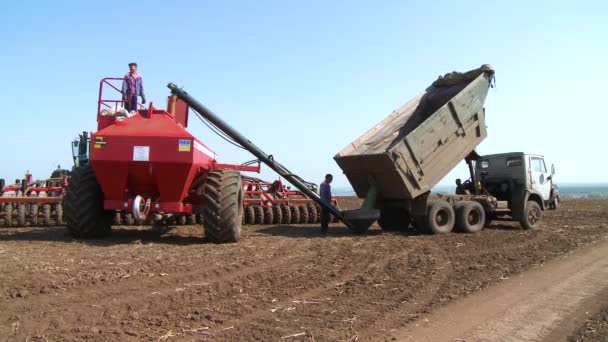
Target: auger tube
256,151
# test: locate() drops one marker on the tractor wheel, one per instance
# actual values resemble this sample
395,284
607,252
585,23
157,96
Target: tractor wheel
46,215
21,210
8,215
34,215
295,214
303,214
223,191
286,211
312,213
84,213
249,215
117,218
470,217
58,214
533,215
277,214
394,218
440,217
258,218
268,215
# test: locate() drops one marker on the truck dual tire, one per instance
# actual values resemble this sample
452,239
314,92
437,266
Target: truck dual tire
83,206
532,216
223,210
470,217
440,218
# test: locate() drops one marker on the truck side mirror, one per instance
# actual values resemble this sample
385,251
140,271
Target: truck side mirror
552,169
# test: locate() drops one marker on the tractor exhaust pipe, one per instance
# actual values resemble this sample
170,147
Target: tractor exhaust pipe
251,147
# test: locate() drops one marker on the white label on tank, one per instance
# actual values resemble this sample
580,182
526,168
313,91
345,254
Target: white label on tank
141,153
203,149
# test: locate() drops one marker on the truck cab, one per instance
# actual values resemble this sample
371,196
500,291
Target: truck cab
520,179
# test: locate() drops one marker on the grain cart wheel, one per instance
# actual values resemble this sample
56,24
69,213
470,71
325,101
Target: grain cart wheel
223,209
440,217
8,215
394,218
249,215
303,214
295,214
83,201
58,215
258,218
34,215
532,216
470,217
286,211
21,210
268,215
312,213
277,214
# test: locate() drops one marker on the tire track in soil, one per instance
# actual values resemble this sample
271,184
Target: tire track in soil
122,292
317,304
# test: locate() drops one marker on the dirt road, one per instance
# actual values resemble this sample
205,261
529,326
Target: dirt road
277,284
547,303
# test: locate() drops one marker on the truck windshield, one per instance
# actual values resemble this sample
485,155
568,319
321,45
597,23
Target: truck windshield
538,165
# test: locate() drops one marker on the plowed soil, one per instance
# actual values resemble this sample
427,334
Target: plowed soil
280,283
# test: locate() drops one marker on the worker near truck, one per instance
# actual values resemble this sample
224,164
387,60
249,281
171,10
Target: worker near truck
460,189
132,88
325,194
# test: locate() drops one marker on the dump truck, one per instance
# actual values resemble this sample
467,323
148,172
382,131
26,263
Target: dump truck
396,163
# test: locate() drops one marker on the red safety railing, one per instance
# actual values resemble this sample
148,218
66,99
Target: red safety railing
112,103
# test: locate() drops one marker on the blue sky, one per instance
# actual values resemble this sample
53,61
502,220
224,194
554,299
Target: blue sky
303,79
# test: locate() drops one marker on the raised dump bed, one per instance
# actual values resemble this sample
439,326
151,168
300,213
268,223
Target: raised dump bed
412,149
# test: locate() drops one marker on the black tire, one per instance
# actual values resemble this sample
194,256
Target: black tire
249,215
532,217
440,217
8,215
394,218
191,219
46,215
21,211
303,214
258,217
83,206
223,191
286,211
268,215
34,215
58,217
117,220
295,214
470,217
182,220
277,214
313,216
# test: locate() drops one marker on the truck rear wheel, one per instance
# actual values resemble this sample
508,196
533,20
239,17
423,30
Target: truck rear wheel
470,217
393,218
440,218
532,216
224,206
83,206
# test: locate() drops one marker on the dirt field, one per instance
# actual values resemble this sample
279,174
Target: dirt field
595,329
281,283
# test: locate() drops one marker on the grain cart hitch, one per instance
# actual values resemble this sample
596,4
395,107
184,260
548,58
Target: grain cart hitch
354,219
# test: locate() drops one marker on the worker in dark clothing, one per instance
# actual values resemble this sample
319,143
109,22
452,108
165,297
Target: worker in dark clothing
460,190
132,88
325,194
